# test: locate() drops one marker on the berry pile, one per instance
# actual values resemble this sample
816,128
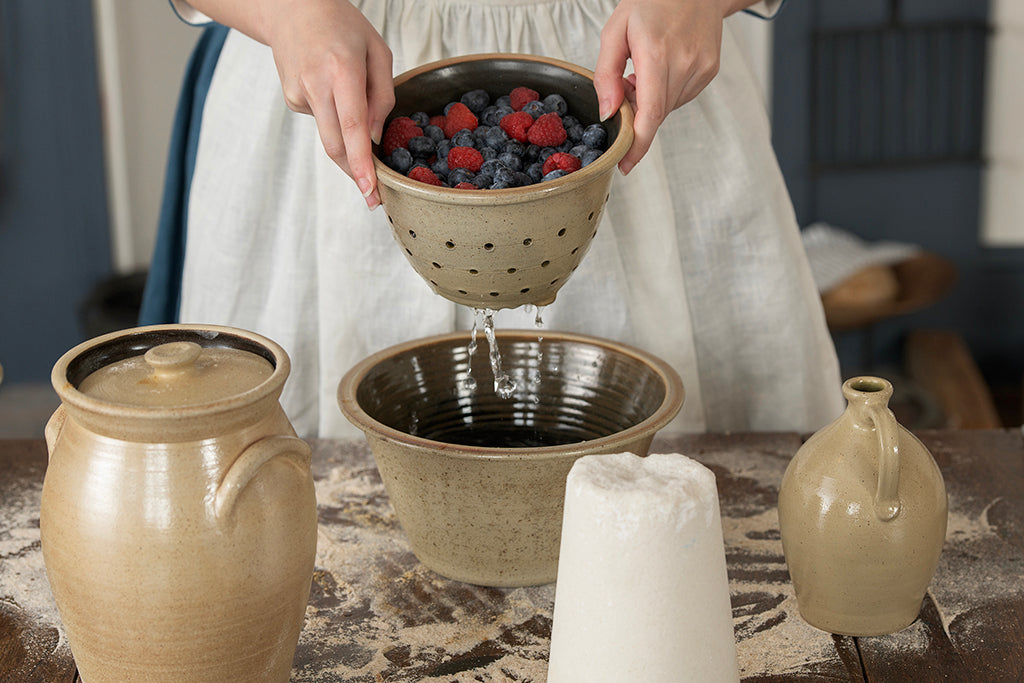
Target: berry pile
519,139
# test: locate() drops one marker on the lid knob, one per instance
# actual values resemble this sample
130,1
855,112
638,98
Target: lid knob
173,358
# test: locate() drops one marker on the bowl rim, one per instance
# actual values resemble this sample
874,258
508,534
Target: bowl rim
670,405
605,163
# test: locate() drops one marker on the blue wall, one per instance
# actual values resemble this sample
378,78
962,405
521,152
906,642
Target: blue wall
54,237
930,197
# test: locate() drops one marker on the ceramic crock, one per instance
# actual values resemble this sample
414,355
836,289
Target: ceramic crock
178,516
862,514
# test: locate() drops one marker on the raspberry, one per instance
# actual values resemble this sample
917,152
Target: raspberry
547,131
561,161
424,175
465,186
465,157
458,117
516,125
437,121
521,95
398,134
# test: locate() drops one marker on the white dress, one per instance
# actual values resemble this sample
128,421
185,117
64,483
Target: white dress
698,258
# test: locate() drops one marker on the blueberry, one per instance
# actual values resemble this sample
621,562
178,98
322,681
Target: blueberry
590,156
476,100
565,146
556,103
515,147
523,179
512,161
421,118
574,133
400,160
493,115
500,185
440,168
557,173
447,107
504,174
488,153
531,154
480,136
536,171
578,150
460,175
545,152
483,180
443,148
504,101
595,136
570,120
535,108
495,137
491,166
435,133
422,147
464,138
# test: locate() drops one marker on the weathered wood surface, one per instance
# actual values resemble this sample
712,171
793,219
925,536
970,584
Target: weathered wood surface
375,614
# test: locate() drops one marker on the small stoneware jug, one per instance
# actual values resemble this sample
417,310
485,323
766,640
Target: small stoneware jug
862,514
178,516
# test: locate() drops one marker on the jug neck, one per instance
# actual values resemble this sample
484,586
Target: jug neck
865,396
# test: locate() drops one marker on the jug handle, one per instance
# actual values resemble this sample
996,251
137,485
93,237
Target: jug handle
887,501
54,426
256,455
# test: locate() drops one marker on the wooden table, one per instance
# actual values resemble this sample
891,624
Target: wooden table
376,614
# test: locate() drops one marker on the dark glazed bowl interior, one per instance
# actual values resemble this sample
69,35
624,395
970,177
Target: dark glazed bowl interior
569,389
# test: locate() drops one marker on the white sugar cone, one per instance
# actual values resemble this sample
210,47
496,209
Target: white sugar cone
642,592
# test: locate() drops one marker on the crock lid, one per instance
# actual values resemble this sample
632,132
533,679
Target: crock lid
177,374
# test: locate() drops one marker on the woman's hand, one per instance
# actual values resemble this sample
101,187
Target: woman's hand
675,46
332,64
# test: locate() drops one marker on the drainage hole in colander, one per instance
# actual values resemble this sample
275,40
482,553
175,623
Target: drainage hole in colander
591,216
412,234
436,264
450,244
463,292
473,271
573,252
407,251
561,233
511,270
545,264
527,242
488,246
524,290
495,294
434,283
554,282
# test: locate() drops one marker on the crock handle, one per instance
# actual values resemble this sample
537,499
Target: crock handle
887,500
53,428
288,448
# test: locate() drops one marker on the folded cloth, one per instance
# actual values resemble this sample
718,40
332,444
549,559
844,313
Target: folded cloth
836,254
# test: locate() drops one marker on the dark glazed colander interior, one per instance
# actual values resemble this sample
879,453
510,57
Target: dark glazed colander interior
567,391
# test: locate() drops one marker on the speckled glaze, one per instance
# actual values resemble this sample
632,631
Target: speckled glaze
178,525
501,248
862,513
490,513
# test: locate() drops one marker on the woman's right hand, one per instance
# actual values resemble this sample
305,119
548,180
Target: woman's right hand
332,64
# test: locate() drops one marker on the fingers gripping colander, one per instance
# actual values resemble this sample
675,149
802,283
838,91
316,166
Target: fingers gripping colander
500,248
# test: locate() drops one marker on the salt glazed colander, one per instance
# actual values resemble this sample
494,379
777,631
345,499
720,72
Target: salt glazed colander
509,247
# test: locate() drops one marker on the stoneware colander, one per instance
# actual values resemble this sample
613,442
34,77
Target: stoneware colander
501,248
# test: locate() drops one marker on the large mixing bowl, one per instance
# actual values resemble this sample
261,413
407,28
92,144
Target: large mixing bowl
478,481
500,248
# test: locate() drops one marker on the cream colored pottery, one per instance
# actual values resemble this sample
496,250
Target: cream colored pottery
178,516
501,248
862,513
478,481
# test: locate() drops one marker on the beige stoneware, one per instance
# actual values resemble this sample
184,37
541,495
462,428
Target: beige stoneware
178,516
862,513
478,481
501,248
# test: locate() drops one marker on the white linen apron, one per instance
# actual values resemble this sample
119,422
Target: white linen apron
698,258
